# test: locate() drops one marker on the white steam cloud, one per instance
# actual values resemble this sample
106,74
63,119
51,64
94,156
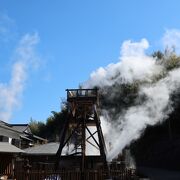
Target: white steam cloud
171,39
25,58
131,124
135,66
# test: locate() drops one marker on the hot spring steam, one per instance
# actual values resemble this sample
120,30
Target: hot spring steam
136,92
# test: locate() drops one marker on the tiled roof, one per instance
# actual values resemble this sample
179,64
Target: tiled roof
16,131
8,148
45,149
21,127
7,130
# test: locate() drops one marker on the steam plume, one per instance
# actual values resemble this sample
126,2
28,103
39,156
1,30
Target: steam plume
24,59
153,84
171,39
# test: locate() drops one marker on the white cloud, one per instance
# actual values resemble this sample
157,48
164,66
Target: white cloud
25,58
7,28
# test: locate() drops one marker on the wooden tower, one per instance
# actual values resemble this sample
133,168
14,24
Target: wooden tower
82,129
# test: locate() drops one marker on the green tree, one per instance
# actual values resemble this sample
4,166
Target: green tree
51,128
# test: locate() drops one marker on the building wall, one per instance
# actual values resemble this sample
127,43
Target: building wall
4,139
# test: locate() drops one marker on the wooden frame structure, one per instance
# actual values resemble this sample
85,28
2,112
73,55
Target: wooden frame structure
82,117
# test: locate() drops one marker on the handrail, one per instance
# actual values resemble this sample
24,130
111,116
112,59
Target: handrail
73,93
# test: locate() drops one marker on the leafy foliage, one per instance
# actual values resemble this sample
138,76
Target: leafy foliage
51,128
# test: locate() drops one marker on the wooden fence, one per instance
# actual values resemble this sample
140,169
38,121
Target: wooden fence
21,173
126,174
6,165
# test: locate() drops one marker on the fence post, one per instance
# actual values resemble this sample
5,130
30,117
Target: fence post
27,167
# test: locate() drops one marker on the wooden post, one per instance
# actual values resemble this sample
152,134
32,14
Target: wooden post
27,167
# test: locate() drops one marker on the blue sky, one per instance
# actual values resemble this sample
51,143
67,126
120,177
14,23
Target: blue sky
69,40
